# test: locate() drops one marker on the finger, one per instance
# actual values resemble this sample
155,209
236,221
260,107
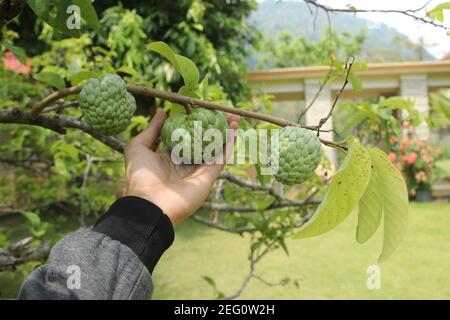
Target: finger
233,119
150,135
212,171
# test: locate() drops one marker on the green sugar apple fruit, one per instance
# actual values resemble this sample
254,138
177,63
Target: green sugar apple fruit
195,124
106,104
299,155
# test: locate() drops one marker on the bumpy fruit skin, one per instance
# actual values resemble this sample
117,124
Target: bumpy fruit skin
209,119
299,155
106,104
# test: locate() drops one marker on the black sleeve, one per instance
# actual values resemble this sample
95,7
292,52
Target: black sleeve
140,225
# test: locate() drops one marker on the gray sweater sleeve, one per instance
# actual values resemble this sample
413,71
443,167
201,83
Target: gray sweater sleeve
112,261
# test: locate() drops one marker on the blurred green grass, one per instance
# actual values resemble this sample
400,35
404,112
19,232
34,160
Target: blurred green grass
444,165
333,266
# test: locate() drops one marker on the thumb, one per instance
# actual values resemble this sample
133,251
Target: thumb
150,134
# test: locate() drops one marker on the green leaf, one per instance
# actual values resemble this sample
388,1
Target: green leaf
370,209
82,76
355,81
395,202
52,79
210,281
88,13
346,189
69,150
32,218
128,70
184,66
54,13
438,12
18,51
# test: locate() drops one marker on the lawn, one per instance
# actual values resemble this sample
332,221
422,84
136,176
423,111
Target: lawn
332,266
444,165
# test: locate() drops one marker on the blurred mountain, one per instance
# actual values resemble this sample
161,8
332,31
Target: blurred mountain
383,44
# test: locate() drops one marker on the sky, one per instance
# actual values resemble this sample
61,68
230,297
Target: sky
436,40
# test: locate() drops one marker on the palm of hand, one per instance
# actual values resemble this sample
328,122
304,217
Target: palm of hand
178,190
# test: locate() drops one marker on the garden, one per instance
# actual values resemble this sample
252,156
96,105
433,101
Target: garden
336,192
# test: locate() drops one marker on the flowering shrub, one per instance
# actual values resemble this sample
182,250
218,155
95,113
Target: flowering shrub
11,62
416,160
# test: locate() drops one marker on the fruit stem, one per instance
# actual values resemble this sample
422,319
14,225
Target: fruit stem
188,108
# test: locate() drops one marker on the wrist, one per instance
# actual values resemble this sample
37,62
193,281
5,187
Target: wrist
153,198
140,225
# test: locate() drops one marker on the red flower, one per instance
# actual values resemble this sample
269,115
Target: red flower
11,62
392,156
421,176
393,139
410,158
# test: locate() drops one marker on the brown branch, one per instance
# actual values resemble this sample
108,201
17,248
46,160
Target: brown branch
188,108
267,283
275,205
409,12
249,184
59,107
183,100
249,275
52,98
58,123
22,252
220,226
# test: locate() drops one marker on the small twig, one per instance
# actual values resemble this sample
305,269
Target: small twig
322,86
22,252
248,277
222,227
89,162
275,205
249,184
409,12
188,108
348,67
60,107
267,283
52,98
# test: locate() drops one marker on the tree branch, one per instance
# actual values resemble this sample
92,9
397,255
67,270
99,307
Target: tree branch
183,100
412,13
22,252
275,205
58,123
248,277
249,184
220,226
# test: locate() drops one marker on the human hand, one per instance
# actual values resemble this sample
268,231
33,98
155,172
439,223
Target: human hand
179,190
